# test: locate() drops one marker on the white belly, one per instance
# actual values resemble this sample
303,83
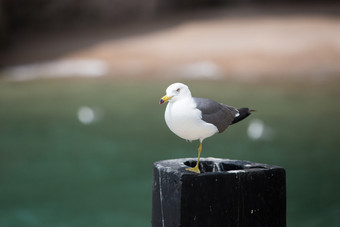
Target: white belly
184,120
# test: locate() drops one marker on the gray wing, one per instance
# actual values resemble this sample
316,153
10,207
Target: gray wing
216,113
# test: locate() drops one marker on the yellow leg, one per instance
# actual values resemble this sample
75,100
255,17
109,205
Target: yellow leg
196,169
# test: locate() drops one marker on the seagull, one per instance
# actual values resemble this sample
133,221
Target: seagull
194,118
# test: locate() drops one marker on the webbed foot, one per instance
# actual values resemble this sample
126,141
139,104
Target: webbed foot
194,169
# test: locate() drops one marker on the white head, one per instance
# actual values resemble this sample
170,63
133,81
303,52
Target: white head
176,92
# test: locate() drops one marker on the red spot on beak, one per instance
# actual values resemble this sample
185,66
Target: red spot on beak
161,101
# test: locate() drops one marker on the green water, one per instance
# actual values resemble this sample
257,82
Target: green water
56,171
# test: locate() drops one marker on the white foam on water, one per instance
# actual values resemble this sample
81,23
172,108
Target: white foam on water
56,69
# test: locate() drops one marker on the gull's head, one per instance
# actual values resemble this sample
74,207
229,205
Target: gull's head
175,92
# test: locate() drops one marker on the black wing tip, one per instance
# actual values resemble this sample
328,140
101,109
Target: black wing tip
246,110
243,113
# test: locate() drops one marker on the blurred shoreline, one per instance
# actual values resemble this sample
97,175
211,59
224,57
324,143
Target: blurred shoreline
241,43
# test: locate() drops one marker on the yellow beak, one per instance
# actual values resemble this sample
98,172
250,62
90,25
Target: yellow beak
164,99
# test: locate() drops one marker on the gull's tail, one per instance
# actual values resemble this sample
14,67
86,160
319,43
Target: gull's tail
244,112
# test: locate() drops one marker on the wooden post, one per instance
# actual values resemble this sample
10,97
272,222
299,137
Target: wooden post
227,193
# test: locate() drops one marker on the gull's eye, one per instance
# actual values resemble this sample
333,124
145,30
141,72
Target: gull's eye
178,90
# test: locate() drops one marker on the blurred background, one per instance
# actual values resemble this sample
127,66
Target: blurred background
80,81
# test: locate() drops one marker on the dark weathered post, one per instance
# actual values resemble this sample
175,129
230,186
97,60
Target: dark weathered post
227,193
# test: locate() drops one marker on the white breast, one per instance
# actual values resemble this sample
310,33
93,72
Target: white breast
185,121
